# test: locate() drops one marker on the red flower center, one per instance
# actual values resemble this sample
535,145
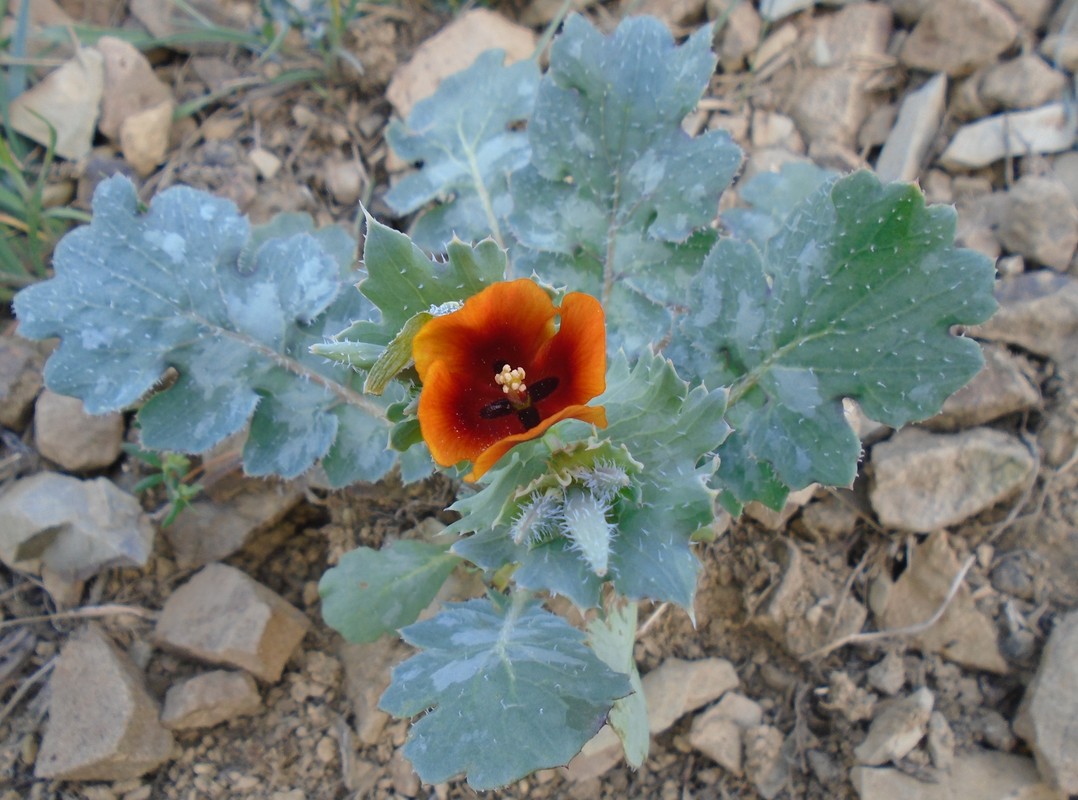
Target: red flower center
519,397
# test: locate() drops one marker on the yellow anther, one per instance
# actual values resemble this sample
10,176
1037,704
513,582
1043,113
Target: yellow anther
512,383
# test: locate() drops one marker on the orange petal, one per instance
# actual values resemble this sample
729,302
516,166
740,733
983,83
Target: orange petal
596,415
511,319
577,354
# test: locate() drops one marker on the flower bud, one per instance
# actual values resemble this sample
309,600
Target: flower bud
584,522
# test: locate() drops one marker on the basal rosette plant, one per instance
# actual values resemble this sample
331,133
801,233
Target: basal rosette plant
588,352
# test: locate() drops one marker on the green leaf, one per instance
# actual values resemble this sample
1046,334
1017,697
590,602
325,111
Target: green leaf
396,356
462,137
188,285
854,297
670,430
612,639
615,184
507,689
373,592
402,281
772,197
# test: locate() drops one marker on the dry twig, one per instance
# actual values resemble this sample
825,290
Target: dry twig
24,687
87,612
909,630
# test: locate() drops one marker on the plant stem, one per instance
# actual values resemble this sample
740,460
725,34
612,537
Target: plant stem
341,392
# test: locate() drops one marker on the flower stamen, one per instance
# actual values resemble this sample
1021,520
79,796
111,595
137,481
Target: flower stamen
512,383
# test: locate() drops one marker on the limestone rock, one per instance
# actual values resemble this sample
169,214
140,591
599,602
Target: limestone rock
1038,311
674,13
739,37
367,673
888,675
209,530
345,180
1065,169
918,122
877,126
1002,387
1041,130
719,739
829,102
210,699
222,616
773,10
981,775
73,528
940,741
130,85
267,164
77,441
829,518
102,722
672,689
67,100
1025,82
765,762
1033,14
958,37
1061,48
979,217
677,687
963,634
1046,718
144,137
1041,222
1060,45
453,49
896,729
927,481
717,732
20,381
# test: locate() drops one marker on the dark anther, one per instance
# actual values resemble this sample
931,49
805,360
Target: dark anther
542,388
529,417
499,408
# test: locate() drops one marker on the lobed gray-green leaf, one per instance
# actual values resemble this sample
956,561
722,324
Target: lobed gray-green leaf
505,689
854,297
187,284
618,198
462,137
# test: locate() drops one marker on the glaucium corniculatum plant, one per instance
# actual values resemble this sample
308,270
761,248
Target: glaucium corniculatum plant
585,349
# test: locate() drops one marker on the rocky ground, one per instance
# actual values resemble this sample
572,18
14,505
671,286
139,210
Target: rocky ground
912,637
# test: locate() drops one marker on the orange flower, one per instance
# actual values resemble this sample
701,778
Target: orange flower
497,373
